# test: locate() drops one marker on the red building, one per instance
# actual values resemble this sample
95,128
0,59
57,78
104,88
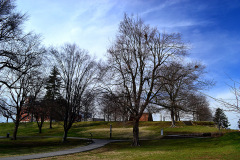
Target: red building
26,117
144,117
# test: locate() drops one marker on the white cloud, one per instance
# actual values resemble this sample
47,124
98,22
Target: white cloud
92,24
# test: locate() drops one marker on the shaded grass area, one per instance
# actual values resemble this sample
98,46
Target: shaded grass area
226,147
120,130
26,145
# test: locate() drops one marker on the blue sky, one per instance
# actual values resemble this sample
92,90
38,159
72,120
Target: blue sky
212,27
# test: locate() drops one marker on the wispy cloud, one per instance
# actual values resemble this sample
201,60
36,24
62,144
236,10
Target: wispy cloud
159,7
210,26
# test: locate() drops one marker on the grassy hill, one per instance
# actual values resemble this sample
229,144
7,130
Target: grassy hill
220,148
120,130
225,147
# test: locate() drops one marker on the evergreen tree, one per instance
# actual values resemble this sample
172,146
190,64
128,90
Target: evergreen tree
53,86
220,119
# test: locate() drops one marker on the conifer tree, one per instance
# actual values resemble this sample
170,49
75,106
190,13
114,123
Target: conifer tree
220,119
53,87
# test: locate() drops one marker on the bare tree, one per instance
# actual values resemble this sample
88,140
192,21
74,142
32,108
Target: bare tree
233,106
136,56
198,106
36,106
10,30
4,109
77,71
40,112
88,101
10,21
178,81
113,107
29,54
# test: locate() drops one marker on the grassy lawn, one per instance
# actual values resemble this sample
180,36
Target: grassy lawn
33,145
121,130
226,147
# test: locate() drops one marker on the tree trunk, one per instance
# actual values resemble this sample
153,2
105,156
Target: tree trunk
65,136
176,116
66,126
115,116
135,133
172,117
40,129
85,117
15,130
40,125
50,122
108,116
32,117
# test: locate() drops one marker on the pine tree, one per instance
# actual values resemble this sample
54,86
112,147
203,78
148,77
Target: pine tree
220,119
53,87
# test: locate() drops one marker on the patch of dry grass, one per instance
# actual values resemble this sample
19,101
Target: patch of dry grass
121,133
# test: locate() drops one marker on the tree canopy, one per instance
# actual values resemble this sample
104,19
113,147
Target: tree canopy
136,57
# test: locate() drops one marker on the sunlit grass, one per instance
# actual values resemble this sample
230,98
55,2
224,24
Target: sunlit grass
120,130
154,148
226,147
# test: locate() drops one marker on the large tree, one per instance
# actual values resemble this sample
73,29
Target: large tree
136,56
78,72
178,81
29,55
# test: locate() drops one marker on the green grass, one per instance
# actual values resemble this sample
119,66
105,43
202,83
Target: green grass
27,145
226,147
120,130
